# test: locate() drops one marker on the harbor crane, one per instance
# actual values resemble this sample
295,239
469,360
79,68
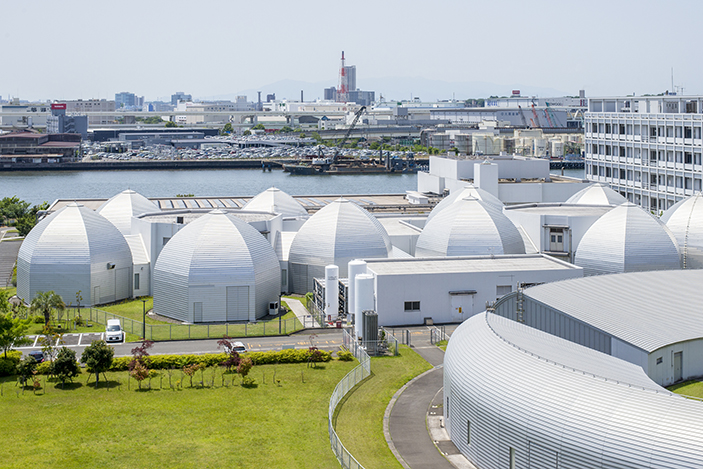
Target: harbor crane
357,116
534,113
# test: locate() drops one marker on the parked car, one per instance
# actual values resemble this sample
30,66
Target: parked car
113,331
38,355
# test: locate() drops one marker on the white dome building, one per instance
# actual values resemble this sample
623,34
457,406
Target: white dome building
217,268
120,209
461,194
469,227
685,220
596,194
75,249
337,234
275,200
627,239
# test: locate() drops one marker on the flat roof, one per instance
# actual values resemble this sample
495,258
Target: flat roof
191,215
646,309
562,209
514,262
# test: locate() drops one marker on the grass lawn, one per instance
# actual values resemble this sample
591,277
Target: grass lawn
268,426
442,344
688,388
360,417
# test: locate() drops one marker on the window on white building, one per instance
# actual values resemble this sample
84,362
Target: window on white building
412,306
687,132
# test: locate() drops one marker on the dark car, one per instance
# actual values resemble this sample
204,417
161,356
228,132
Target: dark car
38,355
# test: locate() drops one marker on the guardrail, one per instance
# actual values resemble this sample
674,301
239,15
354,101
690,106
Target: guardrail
196,331
351,379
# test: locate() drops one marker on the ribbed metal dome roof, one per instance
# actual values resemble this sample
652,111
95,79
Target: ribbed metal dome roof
596,194
340,232
468,191
120,209
276,201
685,220
64,249
217,251
627,239
469,227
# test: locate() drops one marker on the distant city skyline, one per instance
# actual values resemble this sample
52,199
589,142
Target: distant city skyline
156,48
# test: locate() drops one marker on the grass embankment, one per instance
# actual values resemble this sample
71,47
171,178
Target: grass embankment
359,420
442,344
269,426
692,388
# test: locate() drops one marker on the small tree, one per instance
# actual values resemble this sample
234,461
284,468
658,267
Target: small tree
12,332
49,341
26,368
227,129
98,358
139,372
244,367
233,359
45,303
65,366
138,368
170,124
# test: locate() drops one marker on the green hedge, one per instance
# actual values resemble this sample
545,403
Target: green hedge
165,362
8,366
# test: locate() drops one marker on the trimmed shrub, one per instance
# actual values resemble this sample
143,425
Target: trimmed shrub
345,356
8,366
44,368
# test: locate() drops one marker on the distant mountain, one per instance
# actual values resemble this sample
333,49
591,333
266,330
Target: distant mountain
395,89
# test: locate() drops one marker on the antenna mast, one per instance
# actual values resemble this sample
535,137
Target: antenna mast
343,90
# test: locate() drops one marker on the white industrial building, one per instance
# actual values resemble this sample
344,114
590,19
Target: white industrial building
648,148
685,220
511,179
75,250
515,396
451,289
217,268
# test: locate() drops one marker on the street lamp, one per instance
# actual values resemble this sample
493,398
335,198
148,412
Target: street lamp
144,319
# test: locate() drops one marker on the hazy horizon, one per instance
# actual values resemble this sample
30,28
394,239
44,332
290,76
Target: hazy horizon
156,48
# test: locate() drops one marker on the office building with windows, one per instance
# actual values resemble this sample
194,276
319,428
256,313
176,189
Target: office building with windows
647,148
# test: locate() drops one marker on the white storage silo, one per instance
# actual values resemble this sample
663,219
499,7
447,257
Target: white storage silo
331,292
354,268
363,299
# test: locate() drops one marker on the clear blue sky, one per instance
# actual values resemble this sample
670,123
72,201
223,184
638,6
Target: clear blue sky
95,48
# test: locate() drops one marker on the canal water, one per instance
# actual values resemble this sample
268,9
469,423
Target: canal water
40,186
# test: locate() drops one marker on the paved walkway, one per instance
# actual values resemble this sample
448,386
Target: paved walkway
301,312
415,416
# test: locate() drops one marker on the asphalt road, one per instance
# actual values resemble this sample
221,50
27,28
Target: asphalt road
326,340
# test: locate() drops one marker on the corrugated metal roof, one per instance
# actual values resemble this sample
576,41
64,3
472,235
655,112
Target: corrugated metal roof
120,209
685,220
560,404
596,194
513,263
627,239
276,201
469,227
136,245
460,194
646,309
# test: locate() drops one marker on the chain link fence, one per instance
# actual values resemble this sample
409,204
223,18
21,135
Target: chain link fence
354,377
158,332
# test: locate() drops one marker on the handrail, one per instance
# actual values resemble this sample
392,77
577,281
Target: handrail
351,379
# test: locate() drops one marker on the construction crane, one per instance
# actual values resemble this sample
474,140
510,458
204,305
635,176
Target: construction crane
534,113
357,116
549,119
554,116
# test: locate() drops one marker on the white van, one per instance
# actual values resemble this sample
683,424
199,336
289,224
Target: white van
113,331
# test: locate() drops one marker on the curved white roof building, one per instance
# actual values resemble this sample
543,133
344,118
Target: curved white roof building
469,227
518,397
596,194
217,268
337,234
627,239
275,200
461,194
120,209
75,249
685,220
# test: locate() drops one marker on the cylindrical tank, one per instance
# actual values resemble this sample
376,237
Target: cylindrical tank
557,148
354,268
363,300
331,292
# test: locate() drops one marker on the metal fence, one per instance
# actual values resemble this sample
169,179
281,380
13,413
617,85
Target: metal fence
354,377
438,334
196,331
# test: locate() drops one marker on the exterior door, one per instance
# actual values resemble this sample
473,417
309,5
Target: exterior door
96,295
556,240
678,366
462,307
198,311
238,303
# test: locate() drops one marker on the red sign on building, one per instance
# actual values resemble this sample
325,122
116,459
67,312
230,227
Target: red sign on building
58,106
